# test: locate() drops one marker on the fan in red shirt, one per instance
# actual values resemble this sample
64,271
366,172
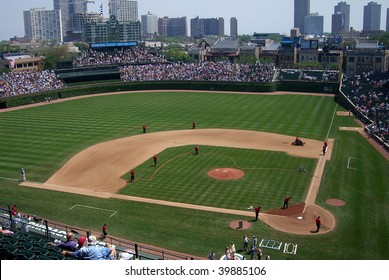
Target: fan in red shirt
14,210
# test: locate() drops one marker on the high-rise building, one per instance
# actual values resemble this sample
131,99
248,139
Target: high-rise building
177,27
149,24
162,26
233,27
171,27
302,9
68,8
372,17
124,10
200,27
41,25
314,24
338,22
387,20
344,8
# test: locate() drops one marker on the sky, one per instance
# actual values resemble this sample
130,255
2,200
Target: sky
274,16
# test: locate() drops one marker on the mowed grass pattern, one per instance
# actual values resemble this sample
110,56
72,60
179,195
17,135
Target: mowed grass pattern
42,139
181,176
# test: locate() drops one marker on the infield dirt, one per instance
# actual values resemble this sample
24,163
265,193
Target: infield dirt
97,171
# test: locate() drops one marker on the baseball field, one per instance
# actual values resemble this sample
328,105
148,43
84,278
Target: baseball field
90,145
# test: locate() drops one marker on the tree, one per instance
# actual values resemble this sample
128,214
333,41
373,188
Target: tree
247,59
9,48
245,38
54,54
175,53
383,38
82,46
310,65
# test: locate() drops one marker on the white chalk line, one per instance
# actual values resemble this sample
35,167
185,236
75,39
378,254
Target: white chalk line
349,161
95,208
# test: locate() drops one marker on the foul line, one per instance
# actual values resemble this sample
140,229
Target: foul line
332,121
9,179
90,207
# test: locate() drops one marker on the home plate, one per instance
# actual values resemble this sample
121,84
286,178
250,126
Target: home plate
299,218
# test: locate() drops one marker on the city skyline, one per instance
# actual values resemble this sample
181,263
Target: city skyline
253,16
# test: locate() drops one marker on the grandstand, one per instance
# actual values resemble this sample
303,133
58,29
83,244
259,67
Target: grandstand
123,56
307,75
31,236
27,82
370,98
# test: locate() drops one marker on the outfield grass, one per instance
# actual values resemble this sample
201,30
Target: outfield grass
42,139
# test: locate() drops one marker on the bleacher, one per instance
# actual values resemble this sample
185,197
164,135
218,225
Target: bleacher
369,97
307,75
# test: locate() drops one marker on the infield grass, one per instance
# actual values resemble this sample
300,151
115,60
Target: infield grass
183,177
42,139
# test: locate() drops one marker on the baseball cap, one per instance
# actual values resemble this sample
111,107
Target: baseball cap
81,241
92,238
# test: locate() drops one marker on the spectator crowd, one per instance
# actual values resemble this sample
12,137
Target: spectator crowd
133,55
16,83
206,71
307,75
370,97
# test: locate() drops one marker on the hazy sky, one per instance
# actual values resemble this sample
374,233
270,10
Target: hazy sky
253,15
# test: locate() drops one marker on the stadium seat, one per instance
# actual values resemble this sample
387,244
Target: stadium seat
55,249
10,240
25,245
39,251
10,247
25,255
46,246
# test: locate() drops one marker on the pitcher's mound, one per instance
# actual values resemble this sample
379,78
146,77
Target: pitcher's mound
226,173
